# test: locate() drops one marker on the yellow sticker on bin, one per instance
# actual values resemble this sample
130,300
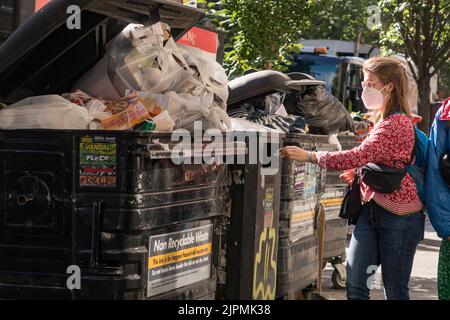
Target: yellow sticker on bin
177,256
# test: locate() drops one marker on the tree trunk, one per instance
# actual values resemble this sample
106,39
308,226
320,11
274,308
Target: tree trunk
357,44
423,85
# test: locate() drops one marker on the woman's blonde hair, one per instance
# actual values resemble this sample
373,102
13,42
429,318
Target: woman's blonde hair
391,70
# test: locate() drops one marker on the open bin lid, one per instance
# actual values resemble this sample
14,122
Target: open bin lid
298,84
256,84
43,56
263,83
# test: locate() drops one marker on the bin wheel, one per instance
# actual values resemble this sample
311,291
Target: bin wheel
338,280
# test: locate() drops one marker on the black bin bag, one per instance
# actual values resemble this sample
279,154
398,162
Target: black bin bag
323,113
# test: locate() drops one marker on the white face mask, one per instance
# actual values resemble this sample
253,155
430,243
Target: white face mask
373,98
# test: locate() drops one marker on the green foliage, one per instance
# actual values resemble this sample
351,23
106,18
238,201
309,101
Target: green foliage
261,33
420,29
340,20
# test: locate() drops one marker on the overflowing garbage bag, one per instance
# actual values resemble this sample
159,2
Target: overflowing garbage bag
145,81
323,113
146,59
45,112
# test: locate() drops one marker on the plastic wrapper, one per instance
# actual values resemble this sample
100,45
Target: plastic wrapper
45,112
121,114
323,113
127,112
154,103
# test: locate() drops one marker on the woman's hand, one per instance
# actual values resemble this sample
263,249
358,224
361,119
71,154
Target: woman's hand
348,176
295,153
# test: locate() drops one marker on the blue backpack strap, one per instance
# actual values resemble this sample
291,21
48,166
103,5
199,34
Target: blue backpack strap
417,170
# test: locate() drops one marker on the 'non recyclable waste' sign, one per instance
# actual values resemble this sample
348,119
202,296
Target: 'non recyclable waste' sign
178,259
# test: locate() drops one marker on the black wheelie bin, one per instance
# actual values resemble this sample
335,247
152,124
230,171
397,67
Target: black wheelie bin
301,184
336,228
302,188
132,225
251,230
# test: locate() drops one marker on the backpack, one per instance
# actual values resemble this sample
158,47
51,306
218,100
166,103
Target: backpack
417,169
444,162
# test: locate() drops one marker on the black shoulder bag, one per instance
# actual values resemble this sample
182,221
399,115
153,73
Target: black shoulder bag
351,205
384,179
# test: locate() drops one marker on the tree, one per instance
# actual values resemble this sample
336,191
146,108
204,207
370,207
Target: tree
420,29
262,34
444,80
340,20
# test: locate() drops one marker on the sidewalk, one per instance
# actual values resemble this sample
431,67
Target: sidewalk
423,283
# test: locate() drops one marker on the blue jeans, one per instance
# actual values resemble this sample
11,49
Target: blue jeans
383,238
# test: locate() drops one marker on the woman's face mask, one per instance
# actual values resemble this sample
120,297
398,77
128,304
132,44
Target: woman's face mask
373,98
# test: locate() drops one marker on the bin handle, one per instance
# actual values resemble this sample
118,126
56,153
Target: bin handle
313,142
97,209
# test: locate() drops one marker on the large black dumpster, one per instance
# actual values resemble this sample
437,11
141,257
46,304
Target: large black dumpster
110,207
133,232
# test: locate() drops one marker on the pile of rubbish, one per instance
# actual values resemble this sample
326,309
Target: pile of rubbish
323,112
270,112
300,104
145,81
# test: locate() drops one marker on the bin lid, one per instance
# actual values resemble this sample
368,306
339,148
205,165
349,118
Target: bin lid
44,56
256,84
297,84
300,76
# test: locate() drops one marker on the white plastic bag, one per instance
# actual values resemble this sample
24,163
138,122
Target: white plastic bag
164,122
210,73
44,112
274,104
186,108
137,64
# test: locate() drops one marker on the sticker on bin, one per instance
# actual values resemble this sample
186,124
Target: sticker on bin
268,207
305,179
98,162
331,200
179,259
302,220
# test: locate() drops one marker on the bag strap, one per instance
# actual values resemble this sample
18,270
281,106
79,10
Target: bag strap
416,138
414,150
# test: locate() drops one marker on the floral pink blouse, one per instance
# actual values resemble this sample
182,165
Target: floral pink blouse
390,143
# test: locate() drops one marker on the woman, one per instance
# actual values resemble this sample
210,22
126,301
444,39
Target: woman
391,224
438,194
